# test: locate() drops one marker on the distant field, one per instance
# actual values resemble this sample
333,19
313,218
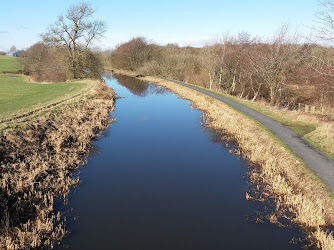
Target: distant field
9,63
18,96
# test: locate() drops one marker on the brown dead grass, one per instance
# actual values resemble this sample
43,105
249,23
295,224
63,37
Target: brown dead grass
36,162
298,194
325,239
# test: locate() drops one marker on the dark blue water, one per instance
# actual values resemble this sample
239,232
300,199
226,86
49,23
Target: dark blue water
159,180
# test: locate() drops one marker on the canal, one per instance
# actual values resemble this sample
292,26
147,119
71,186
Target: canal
158,179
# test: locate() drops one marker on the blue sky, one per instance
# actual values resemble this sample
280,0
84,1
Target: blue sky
186,22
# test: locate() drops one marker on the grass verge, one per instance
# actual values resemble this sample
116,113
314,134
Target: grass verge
299,195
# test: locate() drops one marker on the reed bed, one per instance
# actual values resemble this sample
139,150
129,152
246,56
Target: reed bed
36,165
298,194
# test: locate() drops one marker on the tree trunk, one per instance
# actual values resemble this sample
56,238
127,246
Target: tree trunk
74,69
256,93
220,77
232,89
272,96
246,97
74,66
242,93
211,81
220,80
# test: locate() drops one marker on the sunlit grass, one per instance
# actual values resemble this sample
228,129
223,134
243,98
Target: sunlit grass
10,63
18,95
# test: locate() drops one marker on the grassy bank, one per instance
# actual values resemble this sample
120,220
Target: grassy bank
10,64
277,174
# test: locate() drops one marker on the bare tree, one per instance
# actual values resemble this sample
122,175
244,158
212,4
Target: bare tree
323,63
325,32
325,19
210,63
132,55
273,62
12,49
76,31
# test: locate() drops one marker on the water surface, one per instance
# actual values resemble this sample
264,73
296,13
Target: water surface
157,179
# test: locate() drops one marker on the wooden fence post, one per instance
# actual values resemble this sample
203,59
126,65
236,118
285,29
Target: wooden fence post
307,108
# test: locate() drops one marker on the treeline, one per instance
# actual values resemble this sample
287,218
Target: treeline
282,71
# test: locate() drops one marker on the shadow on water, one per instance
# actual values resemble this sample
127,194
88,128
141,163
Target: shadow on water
161,180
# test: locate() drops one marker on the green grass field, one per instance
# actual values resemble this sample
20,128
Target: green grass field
9,63
18,96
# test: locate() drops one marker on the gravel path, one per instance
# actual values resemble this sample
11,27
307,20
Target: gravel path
321,164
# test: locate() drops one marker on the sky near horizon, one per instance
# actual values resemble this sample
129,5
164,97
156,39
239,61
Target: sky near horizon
185,22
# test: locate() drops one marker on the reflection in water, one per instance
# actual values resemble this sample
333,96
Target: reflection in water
138,87
222,138
214,136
